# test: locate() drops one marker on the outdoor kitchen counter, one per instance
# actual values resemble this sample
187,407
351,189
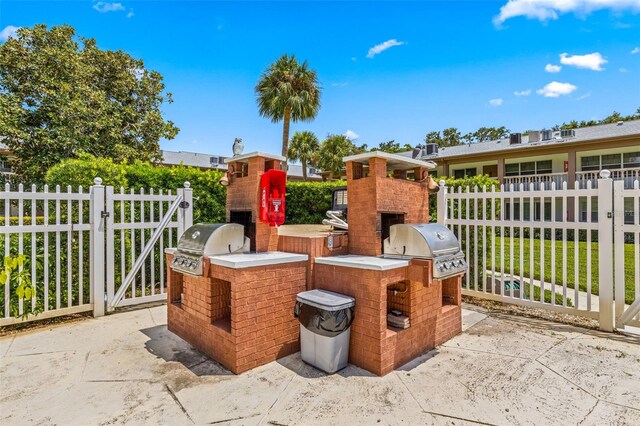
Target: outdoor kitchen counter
363,262
251,260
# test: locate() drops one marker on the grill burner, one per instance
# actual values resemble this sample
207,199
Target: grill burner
427,241
207,239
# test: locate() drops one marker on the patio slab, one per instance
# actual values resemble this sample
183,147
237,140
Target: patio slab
128,368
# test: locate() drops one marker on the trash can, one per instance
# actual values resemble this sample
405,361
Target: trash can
325,327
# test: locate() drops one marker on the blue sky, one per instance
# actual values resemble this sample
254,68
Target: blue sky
455,63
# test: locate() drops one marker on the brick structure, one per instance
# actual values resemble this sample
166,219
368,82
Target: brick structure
433,308
313,246
243,197
377,201
241,318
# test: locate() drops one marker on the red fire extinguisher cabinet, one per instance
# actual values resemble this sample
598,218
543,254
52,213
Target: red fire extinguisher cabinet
273,188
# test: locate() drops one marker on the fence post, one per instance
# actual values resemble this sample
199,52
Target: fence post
188,203
605,250
97,246
441,208
618,252
110,248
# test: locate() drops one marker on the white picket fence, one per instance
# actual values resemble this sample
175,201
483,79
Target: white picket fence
82,244
551,247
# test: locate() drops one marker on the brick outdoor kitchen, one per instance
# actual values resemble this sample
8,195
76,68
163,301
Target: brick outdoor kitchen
240,310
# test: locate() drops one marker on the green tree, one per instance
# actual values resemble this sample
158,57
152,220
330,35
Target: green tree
60,95
433,137
288,91
303,147
333,149
486,134
449,137
393,147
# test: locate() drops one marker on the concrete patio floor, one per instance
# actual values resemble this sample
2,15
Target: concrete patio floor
127,368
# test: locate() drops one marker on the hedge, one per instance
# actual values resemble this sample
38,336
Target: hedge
209,196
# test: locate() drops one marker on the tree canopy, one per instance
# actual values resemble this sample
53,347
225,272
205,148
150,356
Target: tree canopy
449,137
392,147
333,149
304,147
288,91
60,96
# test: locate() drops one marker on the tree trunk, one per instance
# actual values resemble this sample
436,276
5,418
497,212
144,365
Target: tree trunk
304,170
285,135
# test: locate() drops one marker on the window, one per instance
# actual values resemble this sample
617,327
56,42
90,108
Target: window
611,161
460,174
512,169
591,163
528,168
543,167
631,159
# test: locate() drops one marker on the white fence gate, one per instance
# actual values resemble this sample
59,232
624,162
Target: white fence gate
89,250
552,247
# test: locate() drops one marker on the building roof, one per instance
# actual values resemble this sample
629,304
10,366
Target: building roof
197,159
394,161
584,134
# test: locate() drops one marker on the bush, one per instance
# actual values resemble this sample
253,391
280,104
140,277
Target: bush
308,202
208,195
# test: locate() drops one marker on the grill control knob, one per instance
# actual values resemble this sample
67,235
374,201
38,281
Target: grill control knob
193,265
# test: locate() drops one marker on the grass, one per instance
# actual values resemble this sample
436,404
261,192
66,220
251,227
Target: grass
557,267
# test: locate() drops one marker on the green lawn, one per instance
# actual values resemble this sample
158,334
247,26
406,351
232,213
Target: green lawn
557,266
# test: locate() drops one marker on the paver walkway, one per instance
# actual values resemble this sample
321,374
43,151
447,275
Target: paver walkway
127,368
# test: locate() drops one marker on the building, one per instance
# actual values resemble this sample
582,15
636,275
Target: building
210,161
573,157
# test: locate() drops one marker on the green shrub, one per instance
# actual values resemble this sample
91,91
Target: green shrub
208,195
308,202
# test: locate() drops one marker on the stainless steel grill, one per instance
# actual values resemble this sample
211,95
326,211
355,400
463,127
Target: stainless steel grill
207,239
427,241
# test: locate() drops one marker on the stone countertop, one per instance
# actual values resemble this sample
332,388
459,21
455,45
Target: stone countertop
170,250
363,262
251,260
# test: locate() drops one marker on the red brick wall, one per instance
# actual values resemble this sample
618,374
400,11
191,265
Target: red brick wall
313,247
375,194
260,328
374,346
243,194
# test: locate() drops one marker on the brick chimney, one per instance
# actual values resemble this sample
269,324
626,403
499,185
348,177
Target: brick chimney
243,197
383,189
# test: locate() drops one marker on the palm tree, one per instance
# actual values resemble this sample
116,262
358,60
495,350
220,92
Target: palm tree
288,91
303,147
333,149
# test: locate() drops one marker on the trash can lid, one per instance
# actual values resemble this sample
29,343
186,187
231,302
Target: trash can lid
327,300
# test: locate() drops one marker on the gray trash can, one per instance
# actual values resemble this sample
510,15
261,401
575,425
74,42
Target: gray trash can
325,327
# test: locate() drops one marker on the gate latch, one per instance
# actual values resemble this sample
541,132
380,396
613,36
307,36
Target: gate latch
105,214
184,204
609,215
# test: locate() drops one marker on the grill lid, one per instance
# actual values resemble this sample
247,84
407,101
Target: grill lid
208,239
427,240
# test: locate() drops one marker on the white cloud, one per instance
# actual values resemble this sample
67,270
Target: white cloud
496,102
351,135
379,48
585,96
635,50
552,68
523,92
8,31
130,14
544,10
555,89
339,84
622,69
104,7
592,61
